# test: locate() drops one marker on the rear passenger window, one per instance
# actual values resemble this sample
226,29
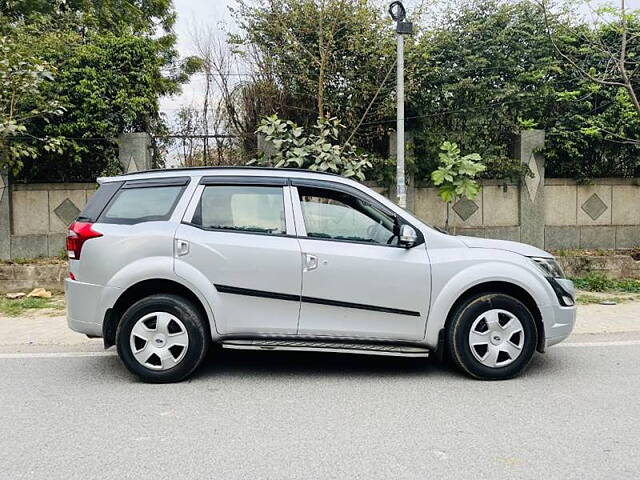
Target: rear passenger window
258,209
136,205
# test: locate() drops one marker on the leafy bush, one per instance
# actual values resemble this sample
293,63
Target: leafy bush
598,282
593,282
456,175
318,151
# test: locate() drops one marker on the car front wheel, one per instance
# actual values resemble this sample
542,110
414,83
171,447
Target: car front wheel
492,336
162,338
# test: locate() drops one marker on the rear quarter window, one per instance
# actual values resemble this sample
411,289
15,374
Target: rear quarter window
143,204
98,201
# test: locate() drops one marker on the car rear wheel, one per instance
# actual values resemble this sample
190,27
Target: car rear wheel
162,338
492,336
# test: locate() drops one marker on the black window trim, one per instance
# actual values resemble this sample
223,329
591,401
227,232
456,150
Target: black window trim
238,180
329,185
247,180
245,232
157,182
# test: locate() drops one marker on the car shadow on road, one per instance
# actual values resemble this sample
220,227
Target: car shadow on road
222,362
257,363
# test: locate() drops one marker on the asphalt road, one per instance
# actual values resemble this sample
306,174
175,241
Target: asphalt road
574,414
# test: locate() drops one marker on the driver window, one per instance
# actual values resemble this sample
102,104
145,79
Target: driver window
336,215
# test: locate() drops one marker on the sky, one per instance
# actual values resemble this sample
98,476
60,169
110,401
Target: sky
194,13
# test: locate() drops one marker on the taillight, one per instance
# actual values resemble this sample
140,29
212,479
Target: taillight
79,232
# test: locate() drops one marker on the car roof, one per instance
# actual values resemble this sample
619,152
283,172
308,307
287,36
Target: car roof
227,170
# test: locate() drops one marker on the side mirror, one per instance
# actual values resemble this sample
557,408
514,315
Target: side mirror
407,237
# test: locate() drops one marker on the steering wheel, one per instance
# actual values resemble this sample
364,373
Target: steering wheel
372,230
396,232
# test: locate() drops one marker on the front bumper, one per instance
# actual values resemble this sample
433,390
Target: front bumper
564,320
87,304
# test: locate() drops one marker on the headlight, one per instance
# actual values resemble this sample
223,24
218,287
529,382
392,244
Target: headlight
549,267
563,288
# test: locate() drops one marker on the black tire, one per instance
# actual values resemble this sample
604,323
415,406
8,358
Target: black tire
196,328
459,329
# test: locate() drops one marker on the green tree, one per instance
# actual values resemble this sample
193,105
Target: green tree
456,175
318,151
595,129
114,59
329,57
116,16
21,102
488,68
485,70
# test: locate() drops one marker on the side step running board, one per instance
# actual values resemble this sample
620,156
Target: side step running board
337,347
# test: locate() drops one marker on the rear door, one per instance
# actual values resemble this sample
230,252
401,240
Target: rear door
241,235
134,220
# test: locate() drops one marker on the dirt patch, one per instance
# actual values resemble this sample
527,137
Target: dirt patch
632,252
24,278
35,261
27,307
612,266
585,297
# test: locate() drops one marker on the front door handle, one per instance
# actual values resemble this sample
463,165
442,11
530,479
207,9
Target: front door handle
310,262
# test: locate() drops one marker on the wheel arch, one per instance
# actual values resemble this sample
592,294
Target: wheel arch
141,290
503,287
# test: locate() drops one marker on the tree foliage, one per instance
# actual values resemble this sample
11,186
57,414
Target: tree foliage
456,175
483,72
116,16
328,57
595,127
22,102
113,60
317,151
488,69
477,72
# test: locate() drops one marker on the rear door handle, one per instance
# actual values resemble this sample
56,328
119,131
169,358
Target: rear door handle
310,262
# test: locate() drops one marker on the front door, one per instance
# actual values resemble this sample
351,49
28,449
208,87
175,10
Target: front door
357,281
241,236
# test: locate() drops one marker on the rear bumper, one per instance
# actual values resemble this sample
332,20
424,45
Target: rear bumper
560,329
87,304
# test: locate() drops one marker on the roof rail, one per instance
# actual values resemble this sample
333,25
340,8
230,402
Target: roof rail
226,167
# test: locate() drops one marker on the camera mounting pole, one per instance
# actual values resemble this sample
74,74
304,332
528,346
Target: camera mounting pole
398,14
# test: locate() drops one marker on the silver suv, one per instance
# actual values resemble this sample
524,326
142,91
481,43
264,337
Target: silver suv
164,263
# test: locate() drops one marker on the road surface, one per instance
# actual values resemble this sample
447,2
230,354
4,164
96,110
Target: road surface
575,414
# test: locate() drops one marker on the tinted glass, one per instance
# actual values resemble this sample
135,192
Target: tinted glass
98,201
340,216
247,208
135,205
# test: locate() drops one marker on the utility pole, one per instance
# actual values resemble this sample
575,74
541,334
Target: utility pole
398,13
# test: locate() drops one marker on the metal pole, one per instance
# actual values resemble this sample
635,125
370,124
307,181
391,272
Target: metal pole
400,186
